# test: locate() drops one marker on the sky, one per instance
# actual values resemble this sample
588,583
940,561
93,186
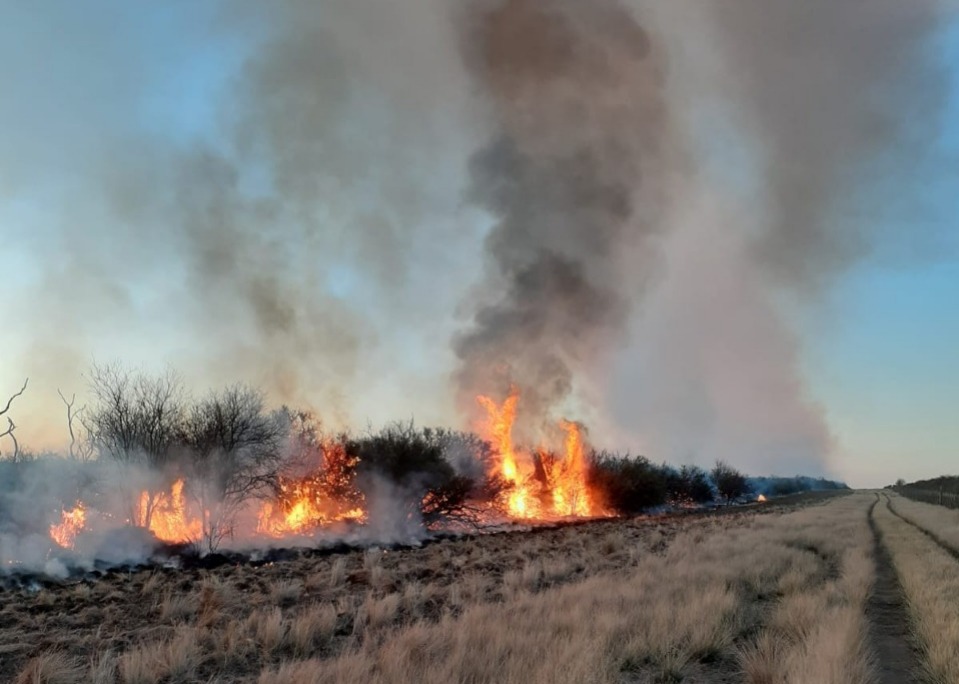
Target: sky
283,197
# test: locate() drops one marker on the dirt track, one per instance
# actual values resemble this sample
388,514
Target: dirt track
898,660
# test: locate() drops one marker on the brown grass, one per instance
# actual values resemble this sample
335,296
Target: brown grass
650,599
930,580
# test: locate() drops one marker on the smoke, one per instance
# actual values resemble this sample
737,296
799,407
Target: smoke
276,195
573,176
288,227
837,98
802,117
619,128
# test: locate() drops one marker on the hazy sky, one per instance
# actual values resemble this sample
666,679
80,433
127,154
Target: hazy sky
281,194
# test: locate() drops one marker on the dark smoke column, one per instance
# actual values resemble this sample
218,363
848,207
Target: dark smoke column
573,177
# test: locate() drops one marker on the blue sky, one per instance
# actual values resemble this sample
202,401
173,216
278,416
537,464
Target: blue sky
110,80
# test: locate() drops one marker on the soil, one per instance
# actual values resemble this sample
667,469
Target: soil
889,633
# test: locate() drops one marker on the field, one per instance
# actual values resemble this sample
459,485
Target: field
843,589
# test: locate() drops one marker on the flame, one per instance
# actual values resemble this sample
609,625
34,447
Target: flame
71,523
322,497
300,510
570,490
562,490
761,498
167,517
520,502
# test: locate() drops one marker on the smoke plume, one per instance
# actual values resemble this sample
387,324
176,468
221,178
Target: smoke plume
653,191
573,176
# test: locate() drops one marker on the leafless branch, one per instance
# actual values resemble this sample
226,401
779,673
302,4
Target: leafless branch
9,433
71,416
10,400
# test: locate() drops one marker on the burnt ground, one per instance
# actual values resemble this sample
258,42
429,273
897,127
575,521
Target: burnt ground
890,636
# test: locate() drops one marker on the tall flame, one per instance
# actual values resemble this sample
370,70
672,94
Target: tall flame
570,490
520,501
71,523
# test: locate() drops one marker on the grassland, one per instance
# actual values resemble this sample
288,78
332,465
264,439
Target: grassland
761,594
924,546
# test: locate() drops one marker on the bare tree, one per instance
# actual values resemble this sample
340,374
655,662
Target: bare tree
233,451
80,449
136,418
11,426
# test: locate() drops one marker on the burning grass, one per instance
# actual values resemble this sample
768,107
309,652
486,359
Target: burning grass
586,602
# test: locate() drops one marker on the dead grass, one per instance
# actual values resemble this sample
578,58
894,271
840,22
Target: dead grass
930,579
671,617
52,668
659,599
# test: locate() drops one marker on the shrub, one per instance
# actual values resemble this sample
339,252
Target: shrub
627,484
730,483
689,484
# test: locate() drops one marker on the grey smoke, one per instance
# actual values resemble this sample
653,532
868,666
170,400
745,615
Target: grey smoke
839,97
312,236
573,176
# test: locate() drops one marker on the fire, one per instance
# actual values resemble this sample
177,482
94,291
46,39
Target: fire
570,492
324,496
556,488
520,502
165,514
761,498
300,511
71,523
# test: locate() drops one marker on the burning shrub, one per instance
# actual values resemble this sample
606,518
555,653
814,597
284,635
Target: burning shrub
318,485
628,484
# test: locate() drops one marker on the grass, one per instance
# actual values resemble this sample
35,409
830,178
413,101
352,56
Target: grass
651,599
930,579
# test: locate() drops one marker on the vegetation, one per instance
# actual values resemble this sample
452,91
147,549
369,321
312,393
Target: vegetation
628,484
730,483
943,491
929,574
688,598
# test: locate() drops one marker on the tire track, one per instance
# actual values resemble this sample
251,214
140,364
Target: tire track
890,637
932,535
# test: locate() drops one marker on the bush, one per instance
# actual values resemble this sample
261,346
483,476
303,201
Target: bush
422,483
730,483
628,485
689,484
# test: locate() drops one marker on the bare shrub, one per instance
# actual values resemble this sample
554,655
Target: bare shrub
232,452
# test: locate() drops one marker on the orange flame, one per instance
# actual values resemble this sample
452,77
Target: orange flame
570,491
324,496
520,501
300,511
761,498
167,518
71,523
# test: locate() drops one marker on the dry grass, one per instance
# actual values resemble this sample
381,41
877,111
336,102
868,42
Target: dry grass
940,521
930,580
51,668
646,599
671,617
